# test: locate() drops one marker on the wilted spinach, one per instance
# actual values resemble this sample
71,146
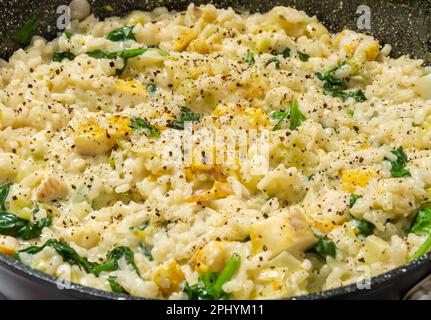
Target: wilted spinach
186,115
210,284
121,34
144,124
295,116
398,166
335,86
14,226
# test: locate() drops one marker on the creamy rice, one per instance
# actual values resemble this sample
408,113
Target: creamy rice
68,148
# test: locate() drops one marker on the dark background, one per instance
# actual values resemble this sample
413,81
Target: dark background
405,24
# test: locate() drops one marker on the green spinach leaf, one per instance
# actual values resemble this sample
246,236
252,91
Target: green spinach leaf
286,53
147,252
152,88
125,54
142,227
353,199
295,116
14,226
68,35
4,192
250,57
324,247
11,225
115,286
422,224
303,56
186,115
423,249
63,249
144,124
98,54
275,61
61,55
113,257
365,228
24,35
70,256
210,284
422,221
121,34
335,86
398,166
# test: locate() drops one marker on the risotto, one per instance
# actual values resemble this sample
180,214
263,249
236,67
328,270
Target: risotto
208,154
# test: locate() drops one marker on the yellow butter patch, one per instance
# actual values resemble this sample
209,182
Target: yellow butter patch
351,179
219,190
210,258
119,126
184,40
130,86
168,277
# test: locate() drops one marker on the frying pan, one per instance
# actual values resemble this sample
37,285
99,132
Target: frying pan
403,24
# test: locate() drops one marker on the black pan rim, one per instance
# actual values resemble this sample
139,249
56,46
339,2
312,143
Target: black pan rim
92,293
